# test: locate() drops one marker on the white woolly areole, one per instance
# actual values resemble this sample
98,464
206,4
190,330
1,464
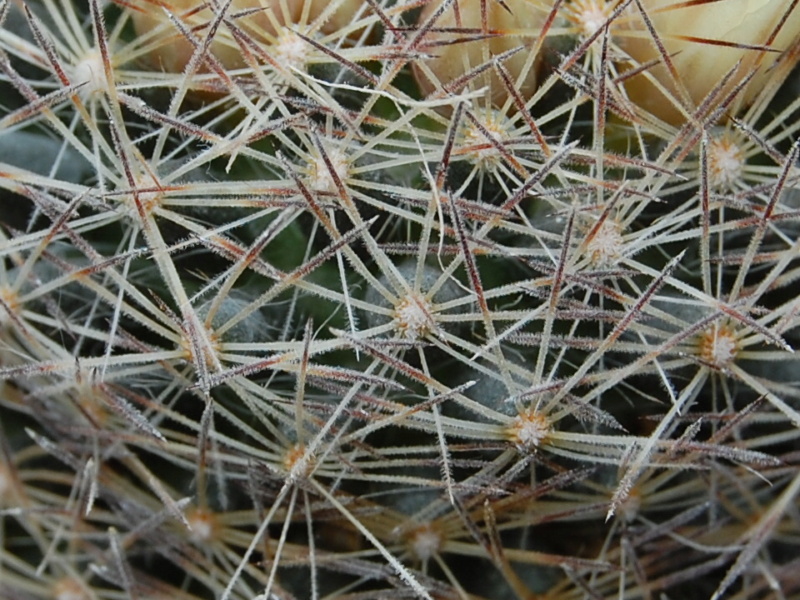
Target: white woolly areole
589,15
725,163
718,346
605,247
290,50
201,523
322,180
479,148
529,430
629,508
201,531
413,317
425,542
148,195
298,462
89,70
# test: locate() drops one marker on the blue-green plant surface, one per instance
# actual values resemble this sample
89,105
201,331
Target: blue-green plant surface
446,299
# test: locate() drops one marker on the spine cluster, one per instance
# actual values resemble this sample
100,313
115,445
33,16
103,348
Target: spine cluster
450,299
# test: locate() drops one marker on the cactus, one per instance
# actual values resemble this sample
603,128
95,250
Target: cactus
438,299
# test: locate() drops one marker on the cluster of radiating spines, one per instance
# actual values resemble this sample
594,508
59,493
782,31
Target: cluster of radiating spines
320,281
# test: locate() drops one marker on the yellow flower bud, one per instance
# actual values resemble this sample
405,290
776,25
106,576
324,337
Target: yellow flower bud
174,51
459,42
262,20
705,43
